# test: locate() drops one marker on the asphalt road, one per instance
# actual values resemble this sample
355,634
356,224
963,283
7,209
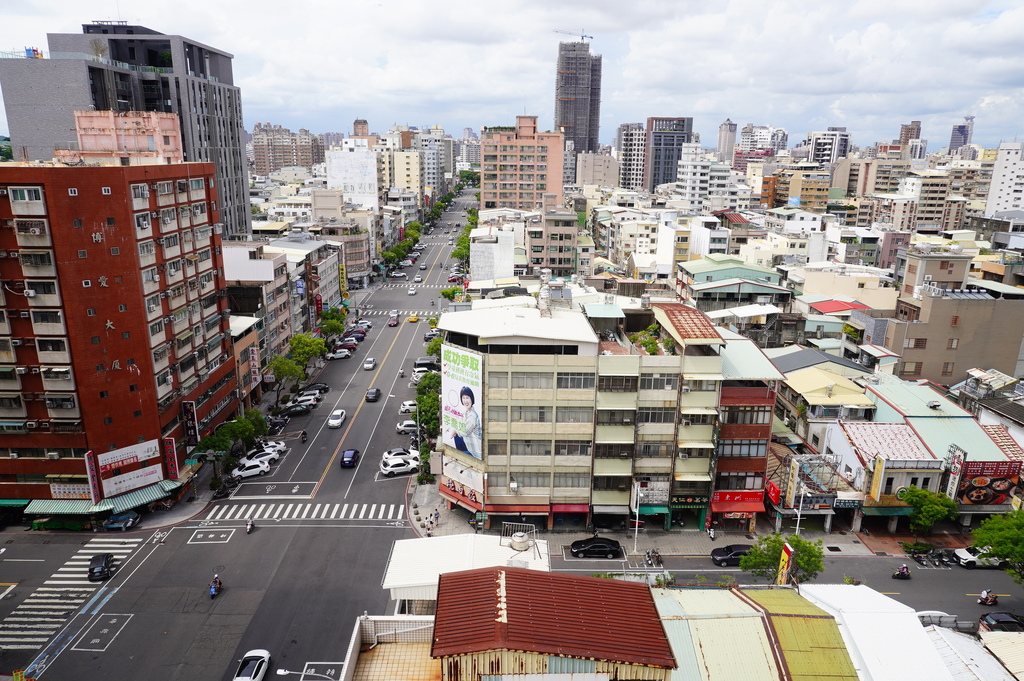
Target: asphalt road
295,586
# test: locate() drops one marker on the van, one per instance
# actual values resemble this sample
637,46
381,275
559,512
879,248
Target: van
429,363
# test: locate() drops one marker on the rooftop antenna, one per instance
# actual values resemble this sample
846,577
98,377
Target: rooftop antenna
580,33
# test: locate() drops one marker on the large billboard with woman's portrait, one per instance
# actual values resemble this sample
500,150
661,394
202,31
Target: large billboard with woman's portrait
462,400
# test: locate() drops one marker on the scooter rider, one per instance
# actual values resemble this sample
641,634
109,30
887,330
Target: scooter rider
216,583
904,570
304,436
248,526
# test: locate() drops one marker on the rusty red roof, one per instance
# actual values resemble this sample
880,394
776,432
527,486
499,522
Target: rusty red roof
1002,438
688,321
549,613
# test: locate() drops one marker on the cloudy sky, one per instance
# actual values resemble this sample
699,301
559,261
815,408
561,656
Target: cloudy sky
868,65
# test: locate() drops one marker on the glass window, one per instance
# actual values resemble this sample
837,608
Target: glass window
656,415
613,451
572,447
575,381
659,381
575,415
617,383
536,414
742,448
497,414
531,380
497,380
530,448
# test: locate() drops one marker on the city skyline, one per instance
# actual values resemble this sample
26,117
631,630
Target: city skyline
865,65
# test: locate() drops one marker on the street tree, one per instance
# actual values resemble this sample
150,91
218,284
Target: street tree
331,328
428,408
238,432
430,384
1002,537
258,421
304,348
284,370
764,555
434,348
929,508
450,293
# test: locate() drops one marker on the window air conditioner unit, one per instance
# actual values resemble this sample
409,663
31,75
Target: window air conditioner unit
29,293
35,231
53,456
160,240
16,341
686,423
31,424
685,389
25,313
3,192
22,370
684,455
155,214
627,422
927,277
14,455
35,370
513,486
151,307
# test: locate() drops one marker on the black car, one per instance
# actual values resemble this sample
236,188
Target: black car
297,410
373,394
431,335
596,547
349,458
321,388
729,555
1001,621
101,566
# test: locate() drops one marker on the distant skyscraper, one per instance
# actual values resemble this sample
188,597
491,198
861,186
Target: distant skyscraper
665,138
762,137
961,134
134,69
726,141
910,131
275,147
578,95
360,127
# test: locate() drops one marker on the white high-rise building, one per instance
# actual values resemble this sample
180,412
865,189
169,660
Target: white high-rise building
1006,192
762,137
631,146
355,170
827,146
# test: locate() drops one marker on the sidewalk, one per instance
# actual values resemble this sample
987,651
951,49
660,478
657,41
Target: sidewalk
681,542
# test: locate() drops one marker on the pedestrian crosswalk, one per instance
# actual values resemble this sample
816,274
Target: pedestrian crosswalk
308,511
38,618
385,313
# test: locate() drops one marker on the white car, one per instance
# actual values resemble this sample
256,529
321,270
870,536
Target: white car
253,667
417,279
369,364
308,400
412,291
250,469
400,453
393,313
339,354
399,275
365,323
971,557
423,266
396,466
407,407
336,419
268,455
406,427
270,444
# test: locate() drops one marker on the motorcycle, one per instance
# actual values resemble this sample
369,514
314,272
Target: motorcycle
920,558
990,599
222,492
214,590
900,574
304,437
249,525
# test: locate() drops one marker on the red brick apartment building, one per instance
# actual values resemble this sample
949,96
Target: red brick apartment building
114,334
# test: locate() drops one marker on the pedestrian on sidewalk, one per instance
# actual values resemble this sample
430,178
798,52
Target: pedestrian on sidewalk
437,517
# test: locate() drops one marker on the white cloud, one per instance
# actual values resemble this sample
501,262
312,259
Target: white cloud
866,64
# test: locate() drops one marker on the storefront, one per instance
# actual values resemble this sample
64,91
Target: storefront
736,510
569,517
689,510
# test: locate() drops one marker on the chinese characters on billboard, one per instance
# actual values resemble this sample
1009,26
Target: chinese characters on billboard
461,400
129,468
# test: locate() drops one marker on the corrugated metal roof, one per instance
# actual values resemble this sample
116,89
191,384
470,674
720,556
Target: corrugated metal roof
67,506
783,602
416,564
548,613
734,648
832,306
966,657
887,440
1008,647
743,359
883,637
135,498
1001,437
689,323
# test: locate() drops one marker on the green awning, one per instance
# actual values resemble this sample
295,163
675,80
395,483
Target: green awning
135,498
169,485
14,502
67,506
887,510
652,510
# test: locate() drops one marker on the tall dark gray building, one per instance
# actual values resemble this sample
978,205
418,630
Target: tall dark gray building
115,66
665,138
961,135
578,95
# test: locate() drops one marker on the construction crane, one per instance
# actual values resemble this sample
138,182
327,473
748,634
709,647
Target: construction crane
580,33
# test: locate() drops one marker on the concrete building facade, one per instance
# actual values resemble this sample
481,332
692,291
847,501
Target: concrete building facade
520,166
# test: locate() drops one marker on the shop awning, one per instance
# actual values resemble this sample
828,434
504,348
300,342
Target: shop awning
887,510
611,508
138,497
698,410
652,510
695,444
737,507
14,502
67,506
692,477
570,508
531,509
